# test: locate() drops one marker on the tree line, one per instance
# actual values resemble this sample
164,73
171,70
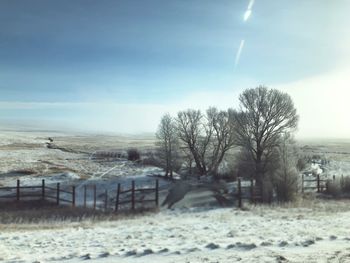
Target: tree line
261,129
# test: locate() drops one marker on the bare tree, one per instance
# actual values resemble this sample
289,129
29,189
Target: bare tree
222,139
168,144
207,137
188,162
195,136
244,164
263,116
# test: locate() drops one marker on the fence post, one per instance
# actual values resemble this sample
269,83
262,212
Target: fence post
132,194
318,183
157,192
117,198
94,196
239,193
302,182
252,190
84,196
43,189
58,194
73,196
106,199
17,190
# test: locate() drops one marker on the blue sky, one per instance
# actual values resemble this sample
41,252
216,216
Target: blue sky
117,65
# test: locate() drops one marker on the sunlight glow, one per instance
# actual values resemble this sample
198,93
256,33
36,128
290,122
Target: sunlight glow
247,15
248,12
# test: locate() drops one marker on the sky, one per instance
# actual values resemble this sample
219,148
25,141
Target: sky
117,66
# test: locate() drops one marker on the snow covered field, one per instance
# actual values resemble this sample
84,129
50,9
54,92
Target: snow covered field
312,232
25,156
27,152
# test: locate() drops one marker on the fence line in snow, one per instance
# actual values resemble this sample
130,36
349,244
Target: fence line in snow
317,183
44,192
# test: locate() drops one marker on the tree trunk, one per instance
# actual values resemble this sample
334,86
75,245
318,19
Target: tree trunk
215,169
197,160
259,175
263,182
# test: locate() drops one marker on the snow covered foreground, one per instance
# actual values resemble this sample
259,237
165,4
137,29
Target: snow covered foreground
260,234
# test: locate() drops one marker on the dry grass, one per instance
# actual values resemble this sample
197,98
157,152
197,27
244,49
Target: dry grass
91,143
332,149
43,214
23,171
311,202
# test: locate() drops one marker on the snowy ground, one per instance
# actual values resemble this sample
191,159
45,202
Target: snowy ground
336,151
22,152
25,156
314,232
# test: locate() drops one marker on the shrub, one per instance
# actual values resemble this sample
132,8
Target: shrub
338,187
267,191
285,182
228,176
151,159
316,157
333,188
301,163
345,185
133,155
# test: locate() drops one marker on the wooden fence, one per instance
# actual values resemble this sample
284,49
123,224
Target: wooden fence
125,197
251,192
317,184
130,195
44,192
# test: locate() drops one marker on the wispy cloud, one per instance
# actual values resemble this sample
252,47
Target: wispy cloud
239,52
18,105
321,102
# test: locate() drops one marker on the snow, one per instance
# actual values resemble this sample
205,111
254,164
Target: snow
261,234
338,168
316,168
314,231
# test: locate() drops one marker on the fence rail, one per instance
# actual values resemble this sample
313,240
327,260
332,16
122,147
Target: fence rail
125,197
251,192
133,190
22,192
43,192
317,184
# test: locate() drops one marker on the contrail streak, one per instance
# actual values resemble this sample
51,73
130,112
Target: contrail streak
250,5
239,52
248,12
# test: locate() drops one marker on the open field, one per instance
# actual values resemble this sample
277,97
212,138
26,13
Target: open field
36,159
333,149
336,151
311,230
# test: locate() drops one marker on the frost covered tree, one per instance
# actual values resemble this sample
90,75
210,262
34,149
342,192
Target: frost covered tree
264,115
208,137
286,176
222,139
167,142
195,136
